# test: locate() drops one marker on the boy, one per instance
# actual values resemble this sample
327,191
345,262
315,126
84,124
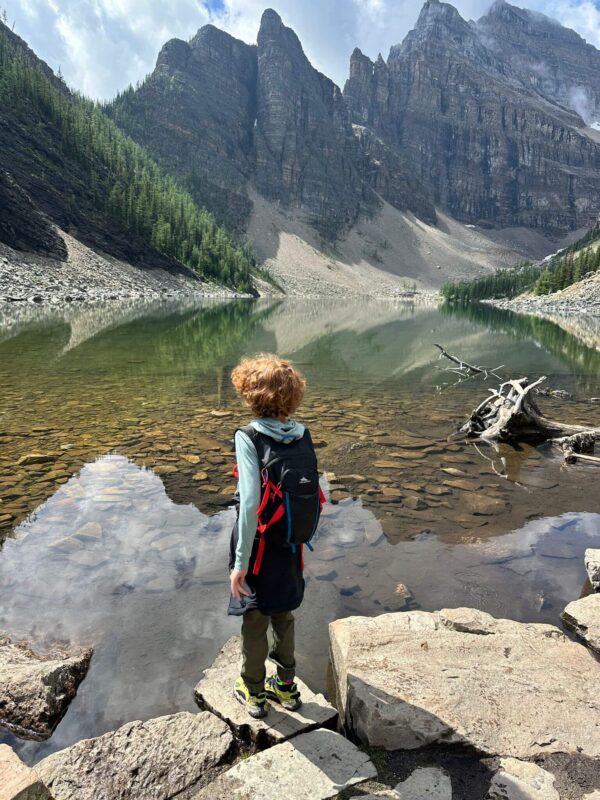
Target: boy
279,506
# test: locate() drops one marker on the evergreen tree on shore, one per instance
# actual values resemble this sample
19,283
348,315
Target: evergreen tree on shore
568,267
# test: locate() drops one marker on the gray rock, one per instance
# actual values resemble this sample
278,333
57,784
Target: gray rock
18,781
592,565
583,618
312,766
215,693
426,783
520,780
460,676
153,760
35,690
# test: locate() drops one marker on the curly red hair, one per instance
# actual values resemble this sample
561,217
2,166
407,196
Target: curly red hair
269,385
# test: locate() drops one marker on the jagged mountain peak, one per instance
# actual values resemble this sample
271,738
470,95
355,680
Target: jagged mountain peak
440,25
434,12
270,21
516,15
173,55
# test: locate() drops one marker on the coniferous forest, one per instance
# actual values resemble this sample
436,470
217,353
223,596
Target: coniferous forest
126,182
567,267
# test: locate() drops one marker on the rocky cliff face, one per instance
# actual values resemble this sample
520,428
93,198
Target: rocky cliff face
195,113
306,153
23,226
491,149
224,115
551,59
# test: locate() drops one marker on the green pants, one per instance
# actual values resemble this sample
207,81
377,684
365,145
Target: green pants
255,647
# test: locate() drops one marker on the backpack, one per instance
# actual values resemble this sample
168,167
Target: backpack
292,499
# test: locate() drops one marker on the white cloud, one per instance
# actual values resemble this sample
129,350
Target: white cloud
103,45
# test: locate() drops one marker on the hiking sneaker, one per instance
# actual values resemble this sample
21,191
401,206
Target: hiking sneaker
285,693
255,704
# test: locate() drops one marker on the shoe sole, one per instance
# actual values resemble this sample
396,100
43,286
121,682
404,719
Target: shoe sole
243,702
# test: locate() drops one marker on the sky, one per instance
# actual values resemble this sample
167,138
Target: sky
101,46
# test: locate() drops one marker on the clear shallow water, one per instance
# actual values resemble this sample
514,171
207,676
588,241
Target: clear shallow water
114,544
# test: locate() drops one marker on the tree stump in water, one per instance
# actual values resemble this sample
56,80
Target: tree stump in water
511,414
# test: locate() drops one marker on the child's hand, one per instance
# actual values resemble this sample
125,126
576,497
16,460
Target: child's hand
238,583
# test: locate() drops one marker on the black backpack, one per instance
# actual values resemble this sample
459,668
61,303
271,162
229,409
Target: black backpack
292,499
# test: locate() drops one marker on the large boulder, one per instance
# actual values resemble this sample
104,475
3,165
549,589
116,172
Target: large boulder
460,676
35,690
312,766
17,780
592,565
214,693
153,760
583,618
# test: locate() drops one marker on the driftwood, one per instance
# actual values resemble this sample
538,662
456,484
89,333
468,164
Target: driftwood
463,368
511,414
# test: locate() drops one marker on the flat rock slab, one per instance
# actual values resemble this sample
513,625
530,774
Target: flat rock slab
460,676
583,618
520,780
311,766
153,760
592,565
17,780
35,690
215,693
426,783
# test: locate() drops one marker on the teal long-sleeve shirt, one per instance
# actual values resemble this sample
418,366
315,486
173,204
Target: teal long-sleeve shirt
249,482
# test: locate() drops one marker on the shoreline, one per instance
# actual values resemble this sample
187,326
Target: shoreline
579,298
88,277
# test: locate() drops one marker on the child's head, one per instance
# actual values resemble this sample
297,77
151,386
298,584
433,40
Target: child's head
269,385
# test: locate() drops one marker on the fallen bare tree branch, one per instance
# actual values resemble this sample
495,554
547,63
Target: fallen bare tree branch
464,369
510,414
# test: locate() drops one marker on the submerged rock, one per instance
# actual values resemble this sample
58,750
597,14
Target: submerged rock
460,676
35,690
520,780
215,693
312,766
18,781
583,618
153,760
592,565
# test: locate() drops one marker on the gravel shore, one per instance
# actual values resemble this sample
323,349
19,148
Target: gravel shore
580,298
88,277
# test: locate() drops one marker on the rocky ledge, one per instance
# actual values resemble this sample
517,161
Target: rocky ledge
37,689
462,677
521,697
592,565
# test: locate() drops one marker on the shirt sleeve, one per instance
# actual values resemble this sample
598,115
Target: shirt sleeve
249,491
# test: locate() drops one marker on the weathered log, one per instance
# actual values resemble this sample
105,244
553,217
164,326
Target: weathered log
511,414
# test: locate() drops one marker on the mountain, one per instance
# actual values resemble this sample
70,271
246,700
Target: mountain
473,144
225,116
66,167
553,60
488,143
480,121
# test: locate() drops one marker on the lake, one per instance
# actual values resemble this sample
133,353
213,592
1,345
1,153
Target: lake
115,478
